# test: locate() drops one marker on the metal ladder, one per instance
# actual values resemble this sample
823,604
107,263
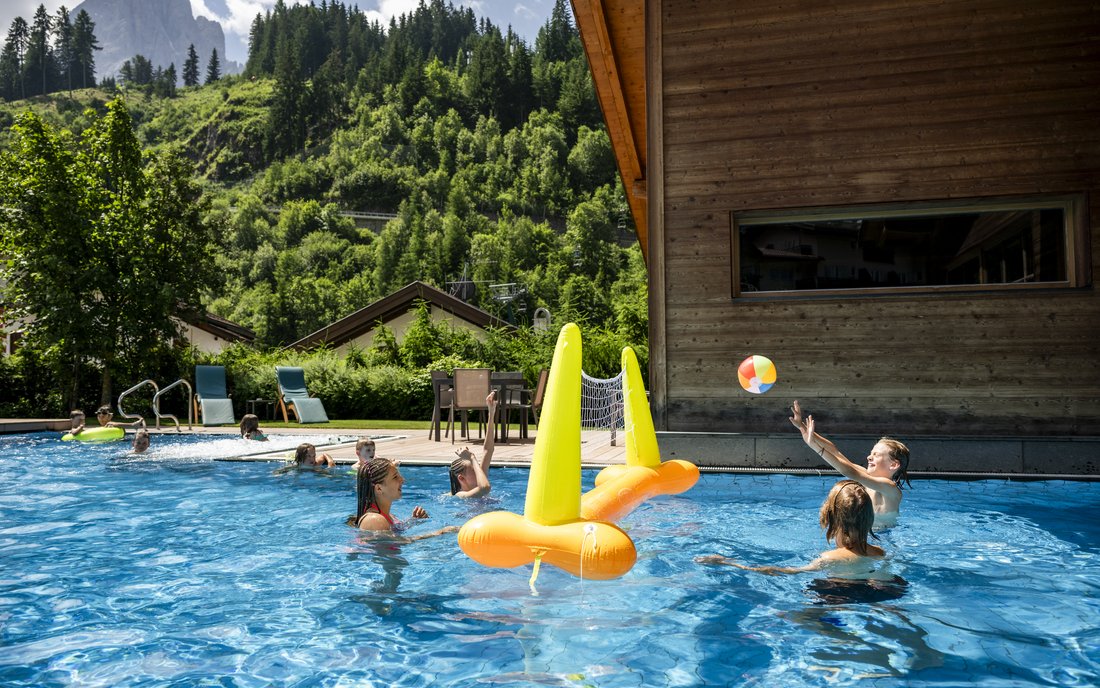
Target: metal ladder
133,416
156,405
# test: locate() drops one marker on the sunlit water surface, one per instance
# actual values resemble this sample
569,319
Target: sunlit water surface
176,569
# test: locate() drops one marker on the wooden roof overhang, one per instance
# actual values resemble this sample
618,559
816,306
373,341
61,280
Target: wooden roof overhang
389,307
613,34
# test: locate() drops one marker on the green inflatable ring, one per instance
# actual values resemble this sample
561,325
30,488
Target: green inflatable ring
96,435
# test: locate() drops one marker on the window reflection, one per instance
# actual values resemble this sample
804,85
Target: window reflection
951,248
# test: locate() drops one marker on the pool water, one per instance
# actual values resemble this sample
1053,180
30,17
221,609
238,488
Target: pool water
177,570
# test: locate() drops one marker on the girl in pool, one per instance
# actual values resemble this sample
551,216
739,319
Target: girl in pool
250,428
378,485
887,467
470,477
847,517
305,456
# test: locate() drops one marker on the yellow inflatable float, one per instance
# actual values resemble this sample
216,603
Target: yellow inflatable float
620,489
95,435
551,529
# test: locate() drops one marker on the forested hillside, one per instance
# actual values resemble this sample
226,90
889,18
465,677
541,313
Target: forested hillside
348,160
490,153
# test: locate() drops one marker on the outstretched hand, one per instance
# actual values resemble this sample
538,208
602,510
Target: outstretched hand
419,512
711,559
805,426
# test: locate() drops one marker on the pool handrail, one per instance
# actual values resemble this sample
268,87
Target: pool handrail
134,416
156,405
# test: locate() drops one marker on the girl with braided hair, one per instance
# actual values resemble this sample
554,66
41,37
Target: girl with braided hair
378,485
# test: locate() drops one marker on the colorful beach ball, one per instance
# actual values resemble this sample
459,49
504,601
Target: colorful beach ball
756,374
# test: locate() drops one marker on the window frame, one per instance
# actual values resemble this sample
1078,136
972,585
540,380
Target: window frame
1075,235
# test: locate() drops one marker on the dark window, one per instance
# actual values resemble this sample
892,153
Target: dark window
1004,244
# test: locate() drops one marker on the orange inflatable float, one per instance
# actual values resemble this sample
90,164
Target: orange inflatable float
620,489
551,528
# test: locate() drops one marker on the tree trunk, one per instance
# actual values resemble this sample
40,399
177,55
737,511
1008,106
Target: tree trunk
105,389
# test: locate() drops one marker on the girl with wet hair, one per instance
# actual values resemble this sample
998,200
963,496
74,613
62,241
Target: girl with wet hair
305,456
250,428
470,477
378,485
887,467
847,516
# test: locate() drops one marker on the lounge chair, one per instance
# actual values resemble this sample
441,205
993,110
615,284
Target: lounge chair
294,397
212,404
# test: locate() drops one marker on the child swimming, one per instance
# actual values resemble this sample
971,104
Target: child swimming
364,451
141,441
250,428
305,456
470,477
847,517
887,467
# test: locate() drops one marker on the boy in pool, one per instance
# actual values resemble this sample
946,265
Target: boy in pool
470,477
887,467
141,441
364,451
104,414
76,422
250,428
847,517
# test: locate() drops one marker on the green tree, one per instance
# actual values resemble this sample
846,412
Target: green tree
64,47
39,56
84,47
213,68
103,248
13,59
191,67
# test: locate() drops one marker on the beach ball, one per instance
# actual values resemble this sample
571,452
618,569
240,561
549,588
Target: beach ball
756,374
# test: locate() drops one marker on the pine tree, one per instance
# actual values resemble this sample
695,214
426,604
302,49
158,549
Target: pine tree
191,67
84,47
213,68
39,58
63,46
15,56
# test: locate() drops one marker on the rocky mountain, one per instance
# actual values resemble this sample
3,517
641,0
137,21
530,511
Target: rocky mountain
160,30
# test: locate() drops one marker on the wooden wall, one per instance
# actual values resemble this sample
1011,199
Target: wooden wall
762,105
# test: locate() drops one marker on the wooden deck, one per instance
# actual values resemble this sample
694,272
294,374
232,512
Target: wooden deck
416,448
409,446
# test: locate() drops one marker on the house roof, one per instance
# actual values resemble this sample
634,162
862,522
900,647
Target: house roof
389,307
218,326
613,34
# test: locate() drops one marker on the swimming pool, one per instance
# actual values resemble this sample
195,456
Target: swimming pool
116,570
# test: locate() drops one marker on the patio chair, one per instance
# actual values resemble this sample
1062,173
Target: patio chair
530,402
212,404
471,386
295,398
442,380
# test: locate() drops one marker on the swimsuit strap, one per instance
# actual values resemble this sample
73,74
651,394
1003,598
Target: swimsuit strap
376,510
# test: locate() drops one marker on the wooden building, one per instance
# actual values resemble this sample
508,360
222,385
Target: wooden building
397,311
896,201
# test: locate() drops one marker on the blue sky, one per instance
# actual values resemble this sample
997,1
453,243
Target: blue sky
235,16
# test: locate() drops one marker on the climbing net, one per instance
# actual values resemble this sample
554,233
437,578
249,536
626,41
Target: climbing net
602,403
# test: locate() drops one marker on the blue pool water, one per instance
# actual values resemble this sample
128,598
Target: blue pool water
177,570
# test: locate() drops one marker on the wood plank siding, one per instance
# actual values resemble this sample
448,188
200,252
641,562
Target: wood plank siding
775,106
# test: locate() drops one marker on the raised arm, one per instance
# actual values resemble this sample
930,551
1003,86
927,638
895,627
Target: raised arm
490,436
832,455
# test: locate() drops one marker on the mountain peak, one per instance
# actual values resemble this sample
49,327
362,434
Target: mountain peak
159,30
